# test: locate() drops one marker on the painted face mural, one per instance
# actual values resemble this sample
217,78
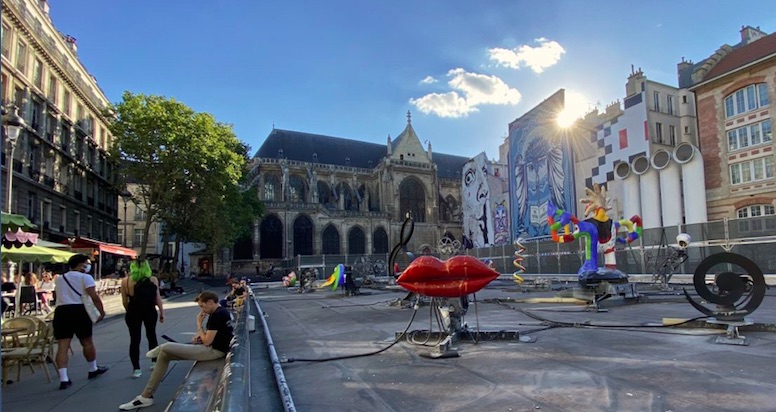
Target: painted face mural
477,221
542,166
500,223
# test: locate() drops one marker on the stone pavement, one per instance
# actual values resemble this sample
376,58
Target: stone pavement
572,368
106,393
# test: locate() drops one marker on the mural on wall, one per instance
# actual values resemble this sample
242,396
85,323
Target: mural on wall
541,162
622,139
499,202
475,196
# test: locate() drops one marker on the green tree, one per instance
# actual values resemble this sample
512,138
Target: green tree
177,156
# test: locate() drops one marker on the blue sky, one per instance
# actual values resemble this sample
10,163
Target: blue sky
352,68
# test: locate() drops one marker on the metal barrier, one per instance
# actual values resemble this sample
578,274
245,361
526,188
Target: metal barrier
285,392
233,391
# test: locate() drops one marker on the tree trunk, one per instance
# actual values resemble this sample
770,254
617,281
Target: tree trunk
146,230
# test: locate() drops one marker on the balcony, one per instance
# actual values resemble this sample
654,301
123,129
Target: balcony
34,174
90,201
18,166
101,206
78,195
48,181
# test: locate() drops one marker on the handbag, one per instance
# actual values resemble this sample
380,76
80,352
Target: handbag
91,309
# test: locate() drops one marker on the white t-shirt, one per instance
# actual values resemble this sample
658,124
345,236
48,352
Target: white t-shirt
79,280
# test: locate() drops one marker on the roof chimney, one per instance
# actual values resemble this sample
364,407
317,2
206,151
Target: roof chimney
72,43
750,34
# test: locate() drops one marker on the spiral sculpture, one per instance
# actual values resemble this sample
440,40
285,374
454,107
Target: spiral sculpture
519,249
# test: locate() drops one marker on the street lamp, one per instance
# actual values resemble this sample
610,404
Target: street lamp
125,195
13,124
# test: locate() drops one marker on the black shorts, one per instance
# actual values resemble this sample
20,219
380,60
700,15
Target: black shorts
72,320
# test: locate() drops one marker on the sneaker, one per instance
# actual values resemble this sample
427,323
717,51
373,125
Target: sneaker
100,370
137,373
154,353
65,385
138,402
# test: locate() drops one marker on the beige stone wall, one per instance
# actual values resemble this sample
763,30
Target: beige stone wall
723,198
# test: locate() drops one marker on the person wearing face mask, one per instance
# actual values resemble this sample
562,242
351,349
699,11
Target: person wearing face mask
71,318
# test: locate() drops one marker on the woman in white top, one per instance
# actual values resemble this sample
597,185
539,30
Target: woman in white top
71,318
45,290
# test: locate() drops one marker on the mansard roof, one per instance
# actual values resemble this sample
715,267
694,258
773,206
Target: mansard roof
332,150
746,54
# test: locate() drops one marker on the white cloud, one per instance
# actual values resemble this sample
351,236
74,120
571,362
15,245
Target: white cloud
469,91
428,80
538,58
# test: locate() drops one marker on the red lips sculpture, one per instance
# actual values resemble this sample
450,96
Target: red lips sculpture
453,278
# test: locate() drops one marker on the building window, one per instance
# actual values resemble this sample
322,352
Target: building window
303,236
751,170
21,57
752,135
356,242
656,99
36,114
686,129
137,240
140,214
330,241
271,238
670,104
37,74
66,103
7,38
52,92
272,188
684,99
380,241
412,199
672,135
746,99
763,212
659,132
296,189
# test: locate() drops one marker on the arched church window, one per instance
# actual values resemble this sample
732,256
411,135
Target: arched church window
356,242
331,241
412,199
303,236
296,189
272,188
380,241
271,238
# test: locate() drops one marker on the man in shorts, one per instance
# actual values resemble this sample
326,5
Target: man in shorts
71,318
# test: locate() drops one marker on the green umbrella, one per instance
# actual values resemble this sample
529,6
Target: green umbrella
14,222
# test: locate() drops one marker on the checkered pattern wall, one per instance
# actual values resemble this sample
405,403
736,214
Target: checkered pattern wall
620,140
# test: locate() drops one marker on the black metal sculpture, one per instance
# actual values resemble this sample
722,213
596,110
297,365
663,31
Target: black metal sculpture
735,294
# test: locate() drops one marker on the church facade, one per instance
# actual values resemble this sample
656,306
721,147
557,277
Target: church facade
327,195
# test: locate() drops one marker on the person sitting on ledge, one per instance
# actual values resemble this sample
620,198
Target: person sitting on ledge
208,344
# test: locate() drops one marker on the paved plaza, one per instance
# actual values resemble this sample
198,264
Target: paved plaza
565,369
106,393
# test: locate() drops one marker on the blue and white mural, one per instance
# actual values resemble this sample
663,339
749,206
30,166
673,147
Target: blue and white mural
542,166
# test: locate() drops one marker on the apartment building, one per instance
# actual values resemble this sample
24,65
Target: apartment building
735,88
63,179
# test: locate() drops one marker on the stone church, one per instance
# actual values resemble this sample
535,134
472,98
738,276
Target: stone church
327,195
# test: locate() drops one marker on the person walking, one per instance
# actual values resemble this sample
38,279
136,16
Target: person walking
140,297
71,317
209,343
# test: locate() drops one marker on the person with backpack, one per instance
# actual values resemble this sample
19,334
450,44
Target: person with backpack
140,296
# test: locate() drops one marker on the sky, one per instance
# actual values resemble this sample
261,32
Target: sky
353,68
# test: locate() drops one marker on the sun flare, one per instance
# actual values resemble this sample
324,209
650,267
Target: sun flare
575,107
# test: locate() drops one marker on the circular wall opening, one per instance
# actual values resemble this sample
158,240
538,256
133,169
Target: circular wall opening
641,165
622,170
661,159
684,152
